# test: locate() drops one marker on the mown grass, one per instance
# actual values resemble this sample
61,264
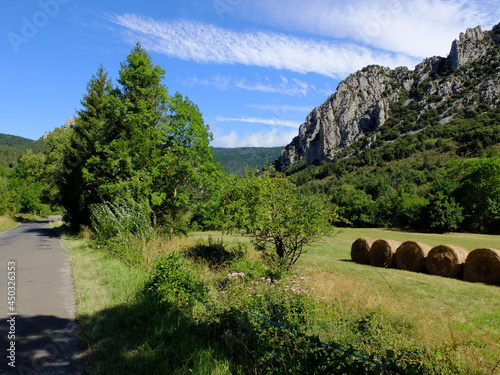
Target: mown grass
456,319
451,324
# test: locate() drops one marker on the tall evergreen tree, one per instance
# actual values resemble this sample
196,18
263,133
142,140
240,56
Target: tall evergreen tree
123,168
88,134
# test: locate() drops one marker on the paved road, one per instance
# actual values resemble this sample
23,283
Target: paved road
37,333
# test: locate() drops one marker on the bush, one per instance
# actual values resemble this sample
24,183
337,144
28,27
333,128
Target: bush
287,301
174,281
214,253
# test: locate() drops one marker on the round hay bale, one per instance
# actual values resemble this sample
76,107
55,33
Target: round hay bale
446,260
483,266
410,256
382,253
360,250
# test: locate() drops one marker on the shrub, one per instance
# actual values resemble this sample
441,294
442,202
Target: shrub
214,253
174,281
286,302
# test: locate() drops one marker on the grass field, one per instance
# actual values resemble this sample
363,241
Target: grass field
455,324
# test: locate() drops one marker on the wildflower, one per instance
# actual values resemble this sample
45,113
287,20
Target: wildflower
260,295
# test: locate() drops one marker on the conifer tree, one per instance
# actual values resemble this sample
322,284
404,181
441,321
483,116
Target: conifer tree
78,191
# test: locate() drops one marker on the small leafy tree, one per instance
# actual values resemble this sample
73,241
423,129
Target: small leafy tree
273,213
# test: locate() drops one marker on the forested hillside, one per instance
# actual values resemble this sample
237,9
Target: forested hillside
12,146
240,160
418,149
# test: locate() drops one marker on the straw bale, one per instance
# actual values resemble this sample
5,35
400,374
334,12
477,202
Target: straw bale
382,253
446,260
483,266
360,250
410,256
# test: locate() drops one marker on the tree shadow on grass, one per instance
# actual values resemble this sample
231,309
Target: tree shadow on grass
150,337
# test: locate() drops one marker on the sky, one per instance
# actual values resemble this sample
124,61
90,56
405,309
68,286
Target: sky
255,68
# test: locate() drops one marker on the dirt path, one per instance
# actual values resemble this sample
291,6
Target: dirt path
37,329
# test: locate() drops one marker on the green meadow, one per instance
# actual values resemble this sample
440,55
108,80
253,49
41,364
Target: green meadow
443,326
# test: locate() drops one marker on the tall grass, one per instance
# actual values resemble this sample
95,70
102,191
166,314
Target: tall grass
123,219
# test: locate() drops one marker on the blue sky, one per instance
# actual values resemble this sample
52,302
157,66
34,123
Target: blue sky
255,68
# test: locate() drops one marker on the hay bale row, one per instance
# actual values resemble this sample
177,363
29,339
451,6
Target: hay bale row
481,265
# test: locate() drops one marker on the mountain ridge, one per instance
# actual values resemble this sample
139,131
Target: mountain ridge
438,88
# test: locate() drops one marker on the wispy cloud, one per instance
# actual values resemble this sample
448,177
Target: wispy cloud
293,87
283,86
205,43
273,138
282,108
418,28
262,121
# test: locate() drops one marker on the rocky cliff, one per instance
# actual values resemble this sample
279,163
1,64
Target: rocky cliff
363,103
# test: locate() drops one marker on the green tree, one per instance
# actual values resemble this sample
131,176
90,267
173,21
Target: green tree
31,186
124,163
273,213
78,178
137,145
443,212
194,177
355,205
479,194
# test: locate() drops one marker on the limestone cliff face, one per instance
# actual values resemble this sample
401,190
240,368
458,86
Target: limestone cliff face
363,100
359,106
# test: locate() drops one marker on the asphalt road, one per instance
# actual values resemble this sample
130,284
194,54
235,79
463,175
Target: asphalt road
37,305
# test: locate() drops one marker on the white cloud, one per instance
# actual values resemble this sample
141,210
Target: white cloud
294,87
219,81
273,138
282,108
285,86
417,28
205,43
262,121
